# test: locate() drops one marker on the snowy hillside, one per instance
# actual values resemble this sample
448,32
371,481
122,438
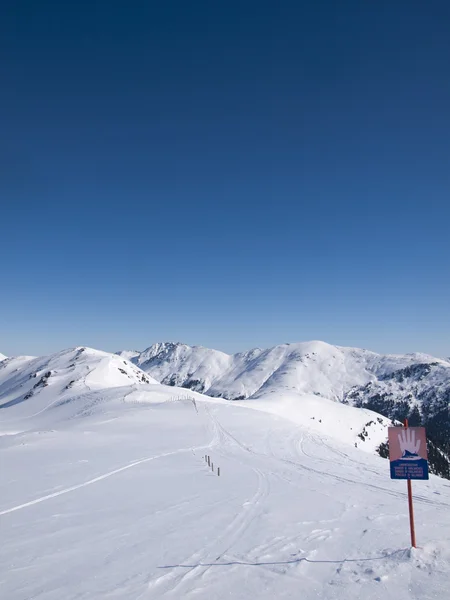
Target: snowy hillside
108,495
2,357
58,377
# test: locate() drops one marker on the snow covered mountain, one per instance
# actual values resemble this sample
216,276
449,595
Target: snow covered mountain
397,386
2,357
307,368
54,379
196,368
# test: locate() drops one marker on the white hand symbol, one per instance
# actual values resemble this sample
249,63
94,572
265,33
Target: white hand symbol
407,440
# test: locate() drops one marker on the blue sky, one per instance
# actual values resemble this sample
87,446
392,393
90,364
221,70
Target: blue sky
230,174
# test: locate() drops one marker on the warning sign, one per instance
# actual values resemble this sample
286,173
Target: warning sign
408,452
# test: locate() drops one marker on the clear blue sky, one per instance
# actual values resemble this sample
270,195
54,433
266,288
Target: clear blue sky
231,174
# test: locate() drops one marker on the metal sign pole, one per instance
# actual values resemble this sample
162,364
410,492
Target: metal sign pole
411,505
409,460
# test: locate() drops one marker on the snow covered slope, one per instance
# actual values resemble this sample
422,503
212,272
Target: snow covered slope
2,357
117,502
360,428
58,377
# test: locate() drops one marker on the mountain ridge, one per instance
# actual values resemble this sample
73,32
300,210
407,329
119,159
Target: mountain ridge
200,366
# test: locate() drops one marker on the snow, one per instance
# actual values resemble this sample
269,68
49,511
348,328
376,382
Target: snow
344,423
179,362
106,494
59,378
2,357
306,367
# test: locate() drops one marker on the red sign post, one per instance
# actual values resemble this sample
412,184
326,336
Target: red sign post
409,460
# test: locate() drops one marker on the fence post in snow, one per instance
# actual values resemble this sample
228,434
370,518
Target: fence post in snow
218,471
212,467
209,463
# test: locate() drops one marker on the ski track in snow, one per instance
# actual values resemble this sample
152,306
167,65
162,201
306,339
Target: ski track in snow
175,582
99,478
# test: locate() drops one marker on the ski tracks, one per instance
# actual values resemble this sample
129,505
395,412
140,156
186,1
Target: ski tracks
183,578
177,580
99,478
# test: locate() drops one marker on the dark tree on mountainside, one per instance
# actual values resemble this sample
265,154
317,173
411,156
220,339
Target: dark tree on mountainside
414,417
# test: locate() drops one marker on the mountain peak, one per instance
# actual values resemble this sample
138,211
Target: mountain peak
64,375
160,350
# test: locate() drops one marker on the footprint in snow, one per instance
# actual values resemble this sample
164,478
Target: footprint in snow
319,535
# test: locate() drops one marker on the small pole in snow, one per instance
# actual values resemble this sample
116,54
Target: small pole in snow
212,466
218,471
209,463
